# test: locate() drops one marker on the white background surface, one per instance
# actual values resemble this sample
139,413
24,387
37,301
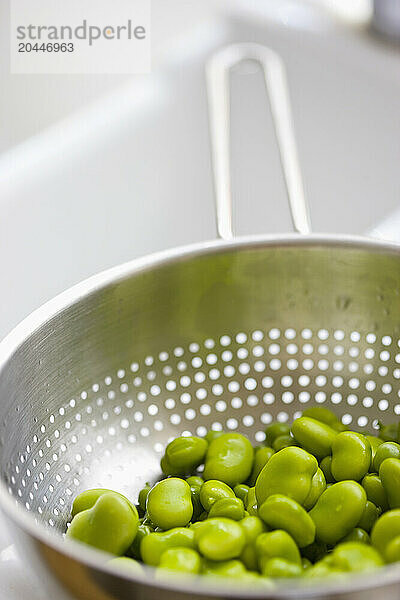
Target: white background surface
124,167
102,37
30,103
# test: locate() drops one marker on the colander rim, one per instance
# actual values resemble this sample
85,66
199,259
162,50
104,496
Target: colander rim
95,559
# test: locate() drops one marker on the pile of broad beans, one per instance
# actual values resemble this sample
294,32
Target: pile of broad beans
316,500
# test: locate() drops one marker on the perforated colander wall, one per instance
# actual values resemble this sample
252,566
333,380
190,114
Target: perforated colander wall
113,433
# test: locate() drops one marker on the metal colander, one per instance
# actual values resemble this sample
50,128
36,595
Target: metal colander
224,335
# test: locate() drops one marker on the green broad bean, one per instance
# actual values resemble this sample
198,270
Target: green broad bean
261,457
212,435
88,498
241,490
385,450
375,490
351,456
386,529
229,459
252,527
370,515
220,539
185,454
195,480
110,524
283,441
168,469
324,415
231,508
195,484
288,472
255,580
127,565
339,426
355,557
389,473
323,569
134,550
357,535
326,468
281,512
249,557
169,503
276,544
392,550
374,442
314,436
257,514
318,485
213,490
275,430
198,524
155,544
251,502
227,568
183,560
338,510
280,568
143,496
389,433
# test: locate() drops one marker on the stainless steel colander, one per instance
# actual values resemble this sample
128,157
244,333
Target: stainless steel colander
228,334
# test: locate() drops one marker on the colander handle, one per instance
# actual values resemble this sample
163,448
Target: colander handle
217,73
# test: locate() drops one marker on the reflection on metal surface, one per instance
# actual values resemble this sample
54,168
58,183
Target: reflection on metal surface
219,115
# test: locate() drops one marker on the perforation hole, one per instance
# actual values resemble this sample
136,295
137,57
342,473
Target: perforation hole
220,406
274,333
275,364
236,403
304,397
257,335
268,398
241,338
252,400
352,399
287,397
336,398
266,418
260,436
282,416
258,351
274,349
383,404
